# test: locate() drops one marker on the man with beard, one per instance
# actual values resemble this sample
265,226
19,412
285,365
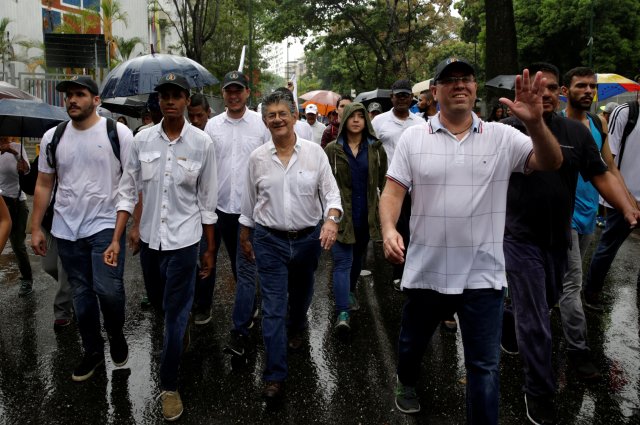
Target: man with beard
427,105
86,170
579,87
538,235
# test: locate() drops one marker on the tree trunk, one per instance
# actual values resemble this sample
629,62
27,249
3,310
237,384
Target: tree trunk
501,45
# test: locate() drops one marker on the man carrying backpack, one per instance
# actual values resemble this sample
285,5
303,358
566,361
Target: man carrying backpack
624,139
83,162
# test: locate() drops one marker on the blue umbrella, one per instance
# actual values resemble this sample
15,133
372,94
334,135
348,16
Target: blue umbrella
140,75
28,118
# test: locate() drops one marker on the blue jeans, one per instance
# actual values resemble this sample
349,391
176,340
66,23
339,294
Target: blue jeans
615,232
226,229
347,264
169,277
480,315
286,269
535,278
96,287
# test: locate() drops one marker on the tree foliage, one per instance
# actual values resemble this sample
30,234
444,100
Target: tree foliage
365,43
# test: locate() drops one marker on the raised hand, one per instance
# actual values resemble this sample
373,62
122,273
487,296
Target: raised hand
527,105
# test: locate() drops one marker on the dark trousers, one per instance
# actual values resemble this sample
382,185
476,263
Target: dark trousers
226,229
615,232
535,277
169,277
480,315
19,213
402,226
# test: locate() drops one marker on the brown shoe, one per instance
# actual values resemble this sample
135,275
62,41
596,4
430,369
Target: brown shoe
171,405
273,390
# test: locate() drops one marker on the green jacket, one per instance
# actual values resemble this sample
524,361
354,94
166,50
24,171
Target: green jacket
342,172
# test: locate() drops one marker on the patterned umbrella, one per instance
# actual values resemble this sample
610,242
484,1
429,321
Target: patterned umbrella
140,75
610,85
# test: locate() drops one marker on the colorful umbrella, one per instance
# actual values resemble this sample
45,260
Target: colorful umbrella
610,85
322,108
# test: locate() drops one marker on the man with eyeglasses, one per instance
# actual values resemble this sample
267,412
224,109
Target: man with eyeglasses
287,179
457,168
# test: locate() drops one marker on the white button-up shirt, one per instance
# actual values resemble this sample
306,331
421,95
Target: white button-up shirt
88,174
178,183
389,128
458,203
234,140
289,198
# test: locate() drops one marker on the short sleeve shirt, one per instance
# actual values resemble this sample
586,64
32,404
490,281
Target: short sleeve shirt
458,194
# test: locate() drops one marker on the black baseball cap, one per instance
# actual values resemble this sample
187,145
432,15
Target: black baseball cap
453,63
172,79
235,77
401,86
78,80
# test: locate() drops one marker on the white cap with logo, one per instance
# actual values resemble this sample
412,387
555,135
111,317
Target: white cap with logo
311,109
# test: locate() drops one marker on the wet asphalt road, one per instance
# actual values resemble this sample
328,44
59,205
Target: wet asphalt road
331,381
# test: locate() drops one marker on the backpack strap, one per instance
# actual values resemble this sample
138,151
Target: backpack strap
53,144
598,124
632,120
112,132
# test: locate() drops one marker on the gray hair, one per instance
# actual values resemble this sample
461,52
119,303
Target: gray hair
278,97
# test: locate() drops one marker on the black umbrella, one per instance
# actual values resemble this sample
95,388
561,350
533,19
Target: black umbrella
382,96
140,75
28,118
129,106
506,82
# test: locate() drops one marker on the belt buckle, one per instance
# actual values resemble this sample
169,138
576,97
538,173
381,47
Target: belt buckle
292,234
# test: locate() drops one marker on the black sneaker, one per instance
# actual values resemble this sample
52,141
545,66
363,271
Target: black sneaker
406,398
593,303
509,341
584,367
87,366
202,316
540,410
119,349
237,345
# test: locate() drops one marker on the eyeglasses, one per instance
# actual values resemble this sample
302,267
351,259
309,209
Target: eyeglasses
283,115
467,79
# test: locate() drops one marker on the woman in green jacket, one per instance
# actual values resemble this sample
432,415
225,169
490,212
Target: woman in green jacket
359,164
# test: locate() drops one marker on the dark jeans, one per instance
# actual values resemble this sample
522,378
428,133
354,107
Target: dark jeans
19,213
96,287
286,268
226,229
403,227
535,278
169,277
347,264
480,315
615,232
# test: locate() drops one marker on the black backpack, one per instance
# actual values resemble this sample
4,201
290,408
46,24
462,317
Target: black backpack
112,133
632,120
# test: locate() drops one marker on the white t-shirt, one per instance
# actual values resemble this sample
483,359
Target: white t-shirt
389,128
88,176
629,168
9,178
318,129
303,130
459,199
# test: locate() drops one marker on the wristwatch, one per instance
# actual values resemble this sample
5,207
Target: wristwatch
336,219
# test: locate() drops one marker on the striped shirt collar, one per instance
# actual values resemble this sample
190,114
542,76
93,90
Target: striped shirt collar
435,125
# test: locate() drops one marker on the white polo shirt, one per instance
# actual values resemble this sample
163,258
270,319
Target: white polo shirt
459,198
389,128
88,176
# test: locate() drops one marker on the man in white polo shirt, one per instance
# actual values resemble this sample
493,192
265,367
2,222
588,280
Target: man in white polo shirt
458,168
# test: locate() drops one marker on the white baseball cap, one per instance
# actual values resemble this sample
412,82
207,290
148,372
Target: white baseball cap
311,109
